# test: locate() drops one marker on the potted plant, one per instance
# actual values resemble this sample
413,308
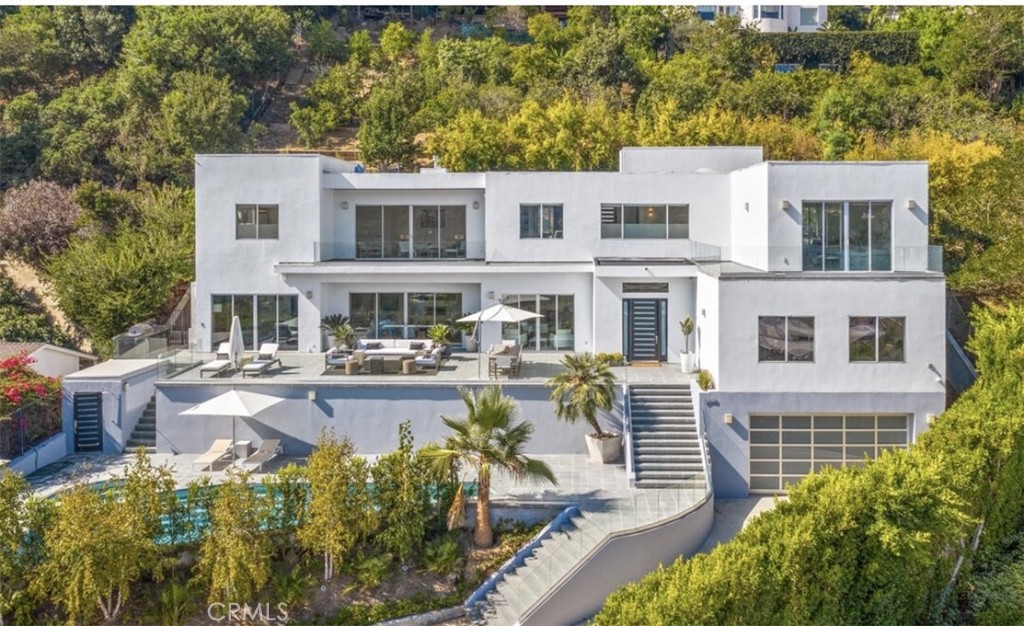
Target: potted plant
339,331
468,341
441,334
585,387
686,358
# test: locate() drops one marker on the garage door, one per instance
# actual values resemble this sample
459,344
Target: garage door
785,448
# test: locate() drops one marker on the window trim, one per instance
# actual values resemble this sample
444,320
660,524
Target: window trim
877,337
256,209
787,358
845,218
619,209
543,210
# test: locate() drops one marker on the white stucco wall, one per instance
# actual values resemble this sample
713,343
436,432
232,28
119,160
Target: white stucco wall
838,181
748,209
55,363
707,333
831,302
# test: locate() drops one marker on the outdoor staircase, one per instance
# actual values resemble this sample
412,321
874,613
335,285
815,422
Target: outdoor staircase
556,556
145,431
666,450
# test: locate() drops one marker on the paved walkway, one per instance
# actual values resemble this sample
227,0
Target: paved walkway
731,516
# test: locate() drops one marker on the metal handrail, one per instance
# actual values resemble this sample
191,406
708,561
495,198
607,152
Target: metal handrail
627,434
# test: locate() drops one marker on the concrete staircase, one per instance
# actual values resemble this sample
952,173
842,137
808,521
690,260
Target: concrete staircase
556,556
145,431
666,450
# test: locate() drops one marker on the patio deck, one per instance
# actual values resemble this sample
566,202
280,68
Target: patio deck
536,368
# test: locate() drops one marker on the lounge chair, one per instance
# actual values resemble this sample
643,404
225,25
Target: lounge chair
220,450
221,363
268,451
263,361
430,361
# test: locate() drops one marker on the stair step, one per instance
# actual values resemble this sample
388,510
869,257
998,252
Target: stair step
650,460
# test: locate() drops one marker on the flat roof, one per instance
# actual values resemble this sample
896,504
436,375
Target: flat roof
116,368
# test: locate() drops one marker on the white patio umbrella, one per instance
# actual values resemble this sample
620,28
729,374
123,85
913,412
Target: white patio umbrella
496,313
232,404
236,345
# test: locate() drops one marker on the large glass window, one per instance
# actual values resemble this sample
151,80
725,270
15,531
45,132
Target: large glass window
264,319
403,232
401,315
854,236
645,221
256,221
785,338
877,339
540,221
553,331
808,16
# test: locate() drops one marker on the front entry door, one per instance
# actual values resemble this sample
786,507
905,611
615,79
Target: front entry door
644,329
88,411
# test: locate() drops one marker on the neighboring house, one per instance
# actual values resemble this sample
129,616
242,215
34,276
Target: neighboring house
48,360
819,304
772,18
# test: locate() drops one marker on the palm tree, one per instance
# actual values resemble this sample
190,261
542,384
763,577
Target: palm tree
490,436
585,387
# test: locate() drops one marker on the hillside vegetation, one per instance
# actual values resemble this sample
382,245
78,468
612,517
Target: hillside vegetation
109,105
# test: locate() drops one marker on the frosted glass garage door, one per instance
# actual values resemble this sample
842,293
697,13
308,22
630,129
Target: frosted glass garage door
785,448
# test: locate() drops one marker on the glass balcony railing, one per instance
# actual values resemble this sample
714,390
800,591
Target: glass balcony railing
398,251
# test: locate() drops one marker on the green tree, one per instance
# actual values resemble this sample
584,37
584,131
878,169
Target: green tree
471,143
360,48
323,42
395,42
332,101
106,284
235,555
584,387
491,437
340,507
96,549
14,520
387,134
568,135
402,497
174,39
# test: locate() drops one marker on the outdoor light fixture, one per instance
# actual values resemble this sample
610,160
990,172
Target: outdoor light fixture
476,205
309,295
727,418
344,205
311,394
786,206
931,419
911,205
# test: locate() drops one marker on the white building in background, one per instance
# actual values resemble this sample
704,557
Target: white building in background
819,305
772,18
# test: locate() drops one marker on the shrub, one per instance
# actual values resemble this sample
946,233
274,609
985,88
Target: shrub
37,220
611,358
402,497
836,48
704,380
442,556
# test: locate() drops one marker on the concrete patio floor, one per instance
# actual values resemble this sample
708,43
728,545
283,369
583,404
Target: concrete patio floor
460,367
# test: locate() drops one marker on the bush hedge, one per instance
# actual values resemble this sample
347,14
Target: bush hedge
837,48
879,544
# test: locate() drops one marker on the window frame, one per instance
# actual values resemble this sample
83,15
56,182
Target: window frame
548,218
880,256
877,338
786,337
669,209
257,224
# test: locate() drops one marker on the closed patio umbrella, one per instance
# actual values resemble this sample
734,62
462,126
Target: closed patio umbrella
236,344
496,313
232,404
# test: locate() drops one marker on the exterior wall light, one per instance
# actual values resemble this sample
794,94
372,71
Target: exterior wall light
786,206
931,419
311,394
727,418
309,295
476,205
344,205
911,205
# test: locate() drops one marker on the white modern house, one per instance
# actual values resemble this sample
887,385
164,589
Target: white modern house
819,305
772,18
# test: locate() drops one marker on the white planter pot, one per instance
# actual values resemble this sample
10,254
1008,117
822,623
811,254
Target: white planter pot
468,343
604,450
687,361
331,341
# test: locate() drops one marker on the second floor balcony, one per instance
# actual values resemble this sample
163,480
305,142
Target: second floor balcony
455,249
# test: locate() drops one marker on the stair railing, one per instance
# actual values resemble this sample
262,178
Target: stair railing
627,434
